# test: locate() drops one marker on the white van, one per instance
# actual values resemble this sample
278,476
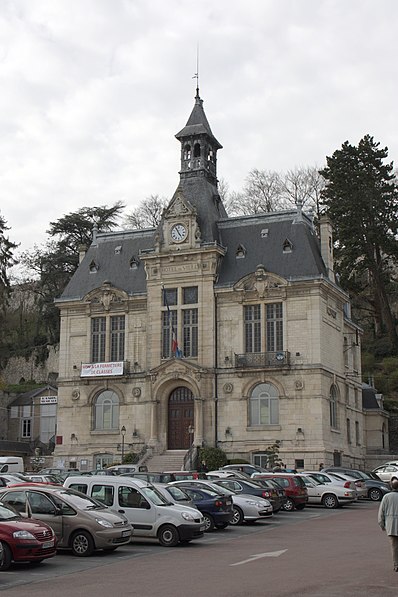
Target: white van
11,464
150,514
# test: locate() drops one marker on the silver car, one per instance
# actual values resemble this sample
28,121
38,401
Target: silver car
80,523
246,508
387,472
327,494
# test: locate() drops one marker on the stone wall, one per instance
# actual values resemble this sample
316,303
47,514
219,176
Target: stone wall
26,368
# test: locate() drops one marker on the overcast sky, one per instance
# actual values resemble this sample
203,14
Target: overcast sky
92,93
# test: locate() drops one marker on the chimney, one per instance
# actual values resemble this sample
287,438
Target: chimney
82,251
326,238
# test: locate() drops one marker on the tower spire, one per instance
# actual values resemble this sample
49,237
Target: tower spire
196,75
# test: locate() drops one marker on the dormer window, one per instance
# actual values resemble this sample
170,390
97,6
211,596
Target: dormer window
264,233
196,150
187,152
118,250
287,246
240,252
134,262
93,267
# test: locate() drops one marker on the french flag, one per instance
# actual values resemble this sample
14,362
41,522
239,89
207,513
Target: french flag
174,345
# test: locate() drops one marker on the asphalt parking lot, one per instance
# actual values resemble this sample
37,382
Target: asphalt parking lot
315,552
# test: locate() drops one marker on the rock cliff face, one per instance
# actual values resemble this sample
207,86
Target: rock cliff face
19,369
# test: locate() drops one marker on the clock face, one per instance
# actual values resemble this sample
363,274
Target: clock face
178,233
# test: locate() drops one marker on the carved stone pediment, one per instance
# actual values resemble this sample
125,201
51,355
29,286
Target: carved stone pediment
260,281
176,367
106,296
179,207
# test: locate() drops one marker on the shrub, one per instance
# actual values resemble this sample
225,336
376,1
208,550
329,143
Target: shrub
213,457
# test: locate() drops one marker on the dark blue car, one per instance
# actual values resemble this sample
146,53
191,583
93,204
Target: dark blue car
216,508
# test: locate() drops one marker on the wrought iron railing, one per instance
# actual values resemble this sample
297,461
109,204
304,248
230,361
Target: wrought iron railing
281,358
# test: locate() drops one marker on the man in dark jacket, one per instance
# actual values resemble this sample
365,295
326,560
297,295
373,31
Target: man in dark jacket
388,519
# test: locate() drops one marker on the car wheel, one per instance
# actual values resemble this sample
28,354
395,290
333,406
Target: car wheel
82,544
5,556
288,505
237,517
330,501
222,525
168,536
209,523
375,494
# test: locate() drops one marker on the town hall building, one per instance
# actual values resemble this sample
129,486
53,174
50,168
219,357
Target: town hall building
209,331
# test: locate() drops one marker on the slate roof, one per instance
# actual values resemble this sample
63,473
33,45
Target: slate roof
197,123
113,264
369,400
262,239
27,397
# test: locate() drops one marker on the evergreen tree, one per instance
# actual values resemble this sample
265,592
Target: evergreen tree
361,196
7,260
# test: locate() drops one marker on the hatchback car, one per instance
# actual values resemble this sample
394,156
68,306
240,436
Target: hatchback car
79,522
294,486
245,507
216,508
386,472
24,540
376,488
175,494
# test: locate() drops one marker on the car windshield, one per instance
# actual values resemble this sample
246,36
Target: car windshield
7,513
310,482
177,493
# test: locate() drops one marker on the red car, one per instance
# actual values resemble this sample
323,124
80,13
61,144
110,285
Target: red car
294,486
23,539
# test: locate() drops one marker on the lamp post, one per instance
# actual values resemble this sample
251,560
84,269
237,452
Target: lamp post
123,432
191,432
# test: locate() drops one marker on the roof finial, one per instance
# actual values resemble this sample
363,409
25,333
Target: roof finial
196,75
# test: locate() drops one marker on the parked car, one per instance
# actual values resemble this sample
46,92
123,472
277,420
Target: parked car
47,479
387,472
277,495
175,495
181,475
79,522
359,484
128,468
12,479
151,514
245,508
54,471
294,486
331,478
249,487
24,540
249,469
376,489
215,507
152,477
330,496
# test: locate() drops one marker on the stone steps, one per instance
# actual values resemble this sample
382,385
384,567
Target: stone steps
171,460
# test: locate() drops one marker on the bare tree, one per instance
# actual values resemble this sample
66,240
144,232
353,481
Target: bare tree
147,214
261,193
304,185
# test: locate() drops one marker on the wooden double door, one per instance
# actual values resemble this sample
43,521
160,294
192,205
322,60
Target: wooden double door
180,419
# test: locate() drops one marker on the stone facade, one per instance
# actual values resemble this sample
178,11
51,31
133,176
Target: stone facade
211,331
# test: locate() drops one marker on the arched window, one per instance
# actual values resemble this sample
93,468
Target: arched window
187,152
333,406
264,405
106,410
196,150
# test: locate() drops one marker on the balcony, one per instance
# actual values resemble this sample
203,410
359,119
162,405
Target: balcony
262,360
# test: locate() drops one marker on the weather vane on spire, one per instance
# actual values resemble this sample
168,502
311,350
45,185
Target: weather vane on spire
196,75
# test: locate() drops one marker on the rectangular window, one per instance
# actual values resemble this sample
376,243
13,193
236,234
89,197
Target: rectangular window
190,295
190,332
169,322
26,411
117,337
169,297
274,327
348,431
98,339
48,414
252,315
14,412
357,434
26,427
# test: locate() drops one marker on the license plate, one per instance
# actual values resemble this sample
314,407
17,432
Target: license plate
202,528
126,533
229,502
48,544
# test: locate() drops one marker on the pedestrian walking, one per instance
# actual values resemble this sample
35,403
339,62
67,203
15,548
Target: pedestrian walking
388,519
321,465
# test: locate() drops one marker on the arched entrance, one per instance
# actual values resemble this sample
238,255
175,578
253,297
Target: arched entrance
180,419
